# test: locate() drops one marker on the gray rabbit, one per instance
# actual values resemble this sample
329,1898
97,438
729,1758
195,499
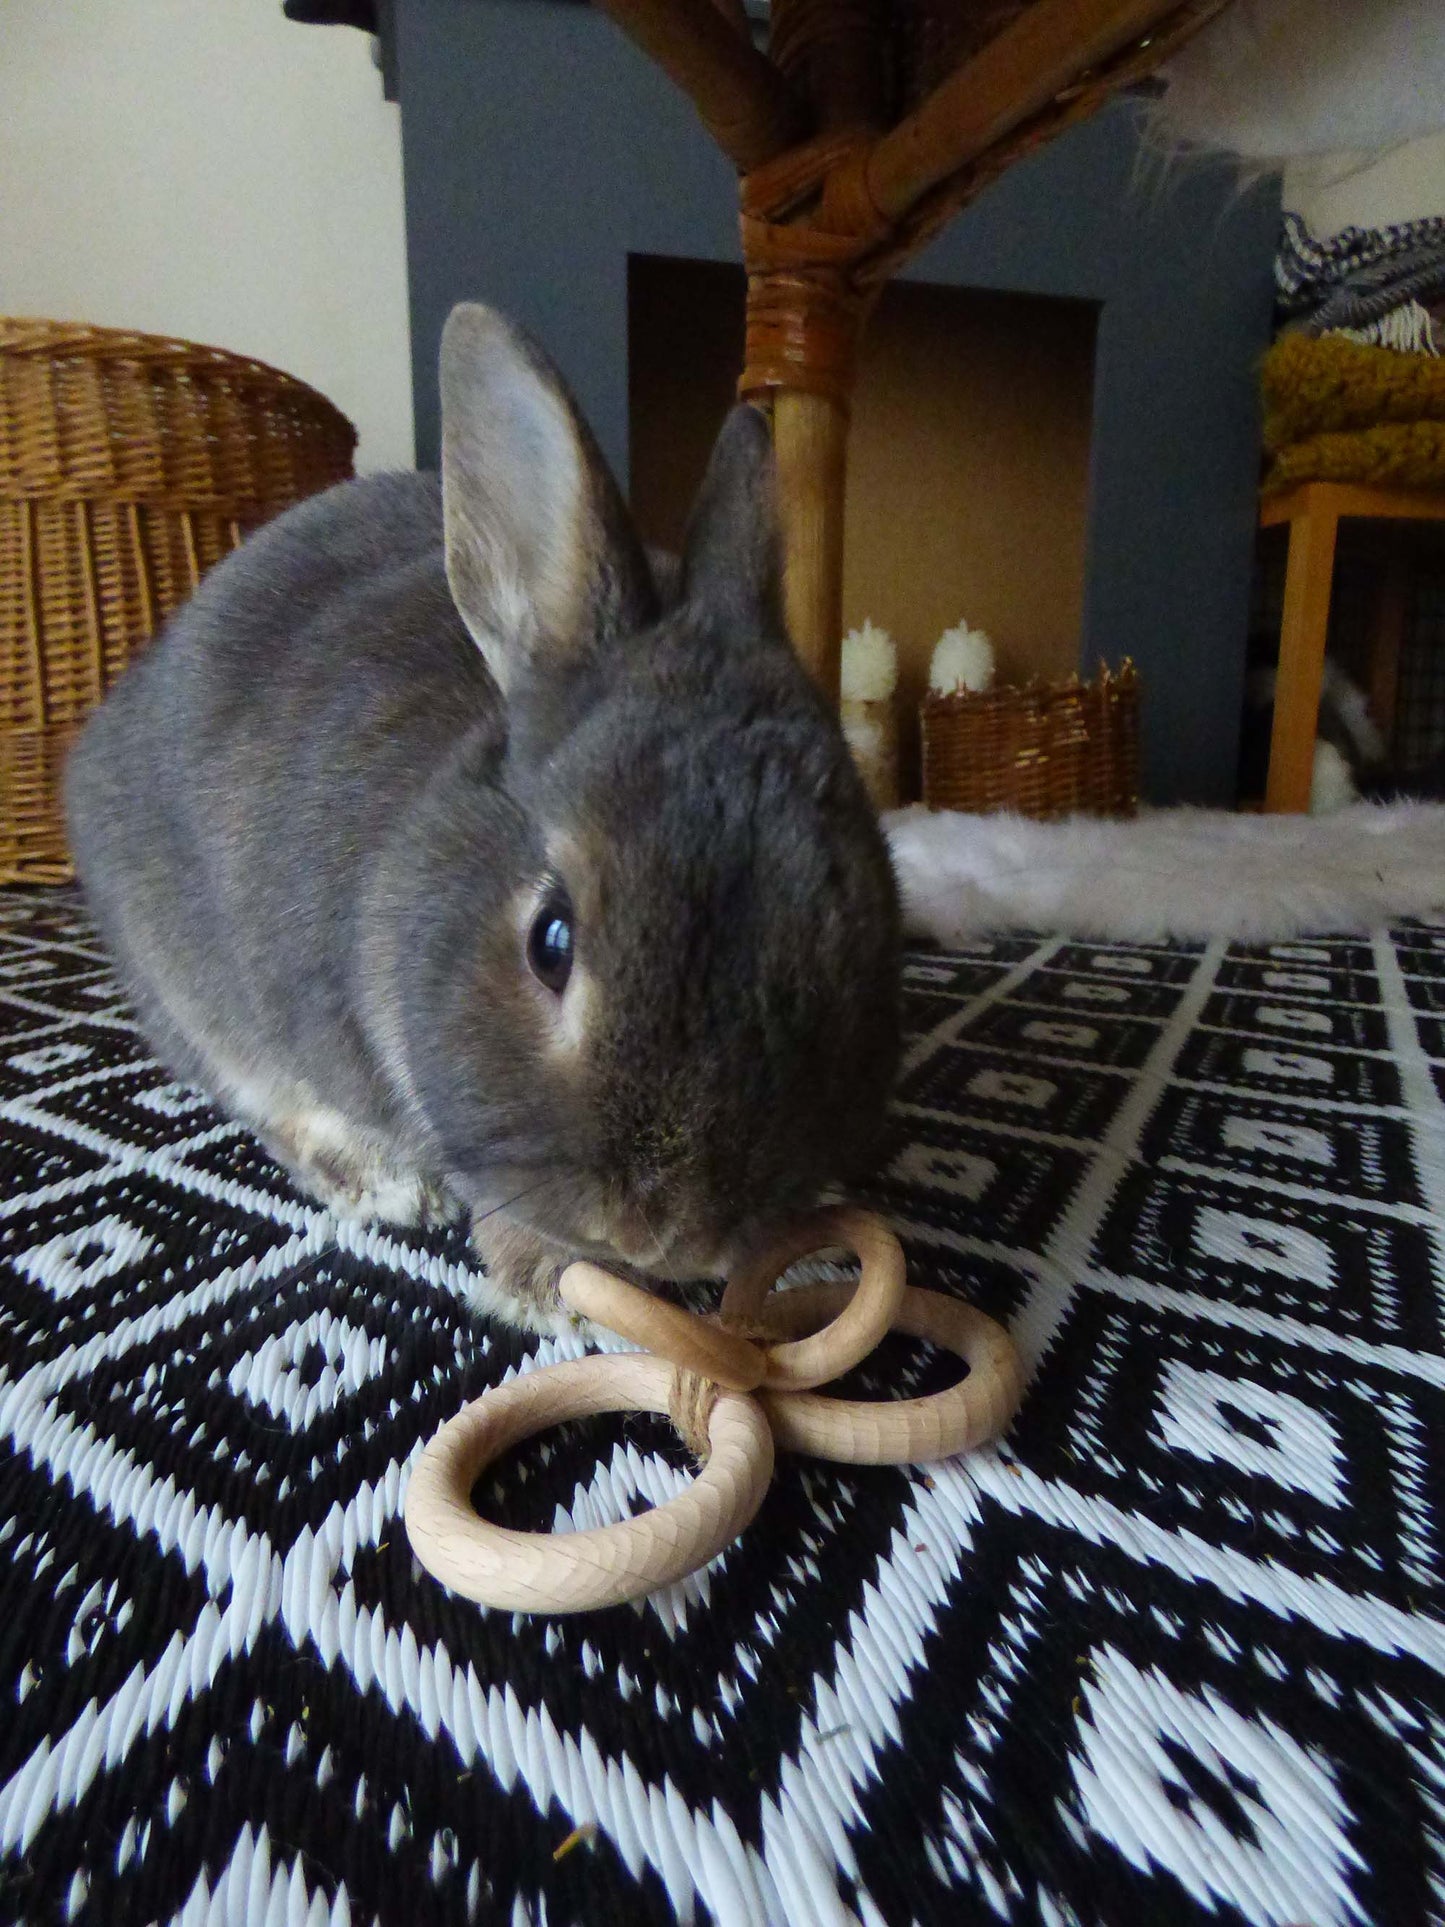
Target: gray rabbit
471,877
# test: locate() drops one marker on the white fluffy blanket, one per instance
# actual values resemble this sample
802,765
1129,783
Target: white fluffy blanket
1269,80
1169,873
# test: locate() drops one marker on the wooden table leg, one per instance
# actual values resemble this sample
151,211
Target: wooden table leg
810,435
1308,579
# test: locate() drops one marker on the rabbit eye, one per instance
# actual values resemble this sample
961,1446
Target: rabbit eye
549,944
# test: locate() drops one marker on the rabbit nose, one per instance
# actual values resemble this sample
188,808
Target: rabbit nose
637,1234
650,1230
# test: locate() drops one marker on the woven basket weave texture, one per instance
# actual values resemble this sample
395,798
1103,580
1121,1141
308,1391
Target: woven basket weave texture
1046,750
129,465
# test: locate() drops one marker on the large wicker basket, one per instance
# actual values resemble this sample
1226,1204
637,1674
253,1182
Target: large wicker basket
129,464
1048,750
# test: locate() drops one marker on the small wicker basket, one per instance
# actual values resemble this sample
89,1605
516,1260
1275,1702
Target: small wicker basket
129,464
1047,750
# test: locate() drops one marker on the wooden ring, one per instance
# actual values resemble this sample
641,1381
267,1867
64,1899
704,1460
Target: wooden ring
694,1344
608,1565
867,1311
907,1430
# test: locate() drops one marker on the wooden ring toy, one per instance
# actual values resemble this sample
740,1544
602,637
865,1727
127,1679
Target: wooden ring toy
821,1332
691,1343
865,1317
605,1566
906,1430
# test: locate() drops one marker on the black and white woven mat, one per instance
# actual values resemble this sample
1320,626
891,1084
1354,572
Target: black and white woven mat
1175,1652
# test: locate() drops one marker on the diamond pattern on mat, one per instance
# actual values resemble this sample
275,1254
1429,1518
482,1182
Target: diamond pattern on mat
1173,1650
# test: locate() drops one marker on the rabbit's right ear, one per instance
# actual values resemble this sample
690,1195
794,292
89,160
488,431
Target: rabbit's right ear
541,557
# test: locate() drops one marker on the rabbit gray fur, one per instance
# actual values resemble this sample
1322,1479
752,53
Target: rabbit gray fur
319,819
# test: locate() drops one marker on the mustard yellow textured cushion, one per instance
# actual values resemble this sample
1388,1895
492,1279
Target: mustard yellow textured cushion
1396,454
1321,385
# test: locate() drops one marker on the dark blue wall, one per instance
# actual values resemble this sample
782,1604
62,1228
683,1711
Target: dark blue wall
541,150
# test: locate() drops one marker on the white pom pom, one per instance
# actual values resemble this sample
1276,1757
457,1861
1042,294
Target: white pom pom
869,671
963,659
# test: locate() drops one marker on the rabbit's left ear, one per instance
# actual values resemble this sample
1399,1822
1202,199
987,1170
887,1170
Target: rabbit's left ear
541,556
732,558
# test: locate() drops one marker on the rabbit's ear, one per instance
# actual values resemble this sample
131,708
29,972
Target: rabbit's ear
541,557
731,561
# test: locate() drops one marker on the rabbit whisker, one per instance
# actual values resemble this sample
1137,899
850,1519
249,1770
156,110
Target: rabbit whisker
660,1247
526,1192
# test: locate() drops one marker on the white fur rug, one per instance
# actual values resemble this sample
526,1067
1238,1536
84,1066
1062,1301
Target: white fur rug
1169,873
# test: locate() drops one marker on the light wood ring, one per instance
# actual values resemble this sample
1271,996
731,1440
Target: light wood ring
868,1310
695,1344
908,1430
570,1572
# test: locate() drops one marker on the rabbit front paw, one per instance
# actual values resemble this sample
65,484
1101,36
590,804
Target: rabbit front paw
519,1284
401,1198
353,1177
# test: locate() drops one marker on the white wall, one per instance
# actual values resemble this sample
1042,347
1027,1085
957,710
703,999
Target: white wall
1404,185
206,168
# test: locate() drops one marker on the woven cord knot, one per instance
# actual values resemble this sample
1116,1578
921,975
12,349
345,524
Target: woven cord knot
689,1406
693,1395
